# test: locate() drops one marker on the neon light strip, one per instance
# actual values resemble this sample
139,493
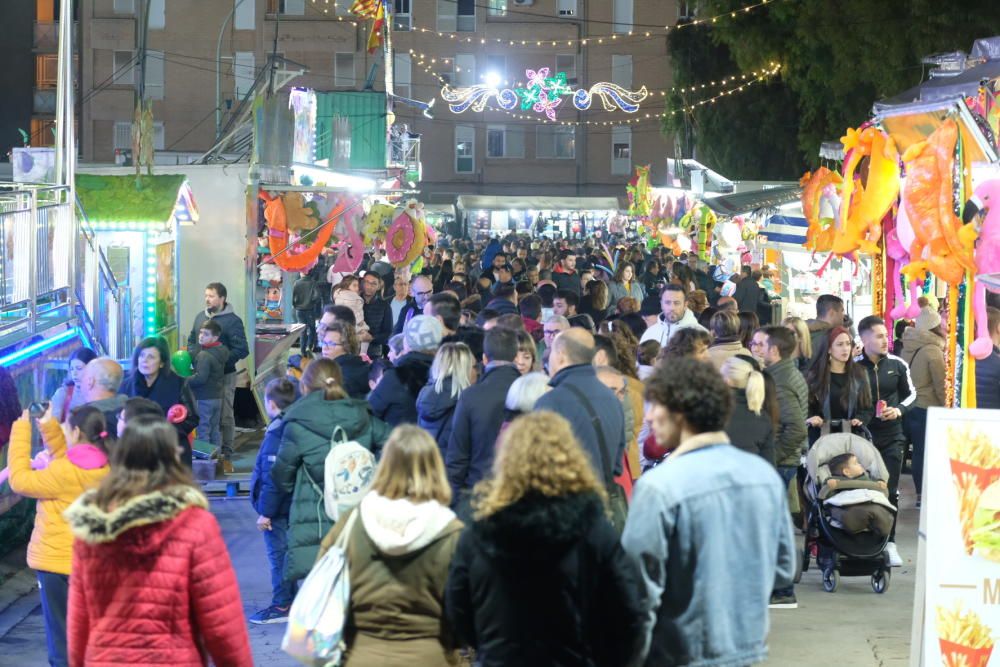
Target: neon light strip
36,348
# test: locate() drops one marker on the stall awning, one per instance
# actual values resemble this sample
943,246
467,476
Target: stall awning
744,202
785,232
535,203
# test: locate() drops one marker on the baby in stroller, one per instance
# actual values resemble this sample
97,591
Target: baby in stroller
854,500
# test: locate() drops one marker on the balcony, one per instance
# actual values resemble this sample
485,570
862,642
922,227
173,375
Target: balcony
46,36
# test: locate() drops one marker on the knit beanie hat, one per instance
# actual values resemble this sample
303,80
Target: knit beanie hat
928,319
423,332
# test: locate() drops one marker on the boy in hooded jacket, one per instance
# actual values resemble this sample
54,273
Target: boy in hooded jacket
273,504
207,383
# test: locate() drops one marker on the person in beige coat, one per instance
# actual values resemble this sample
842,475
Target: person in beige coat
725,326
923,350
398,551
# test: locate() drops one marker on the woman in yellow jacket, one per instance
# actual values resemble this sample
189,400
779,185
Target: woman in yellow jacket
77,460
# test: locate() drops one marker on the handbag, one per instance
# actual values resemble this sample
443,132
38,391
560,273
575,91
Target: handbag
617,502
316,619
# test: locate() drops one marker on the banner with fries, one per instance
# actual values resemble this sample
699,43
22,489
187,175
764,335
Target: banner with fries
959,563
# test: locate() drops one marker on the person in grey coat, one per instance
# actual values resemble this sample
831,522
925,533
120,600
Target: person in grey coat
572,372
625,284
207,384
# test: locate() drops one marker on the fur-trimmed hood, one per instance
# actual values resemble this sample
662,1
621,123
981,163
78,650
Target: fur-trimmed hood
538,528
94,525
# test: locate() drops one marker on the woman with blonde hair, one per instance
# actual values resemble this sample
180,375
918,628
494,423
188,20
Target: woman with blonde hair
453,371
540,577
751,424
400,543
804,352
310,423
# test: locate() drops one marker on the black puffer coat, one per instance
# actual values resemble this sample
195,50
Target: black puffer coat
546,582
395,398
435,412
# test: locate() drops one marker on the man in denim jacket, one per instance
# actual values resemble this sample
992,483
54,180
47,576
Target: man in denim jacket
709,527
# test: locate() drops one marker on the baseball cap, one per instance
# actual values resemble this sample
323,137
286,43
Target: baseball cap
423,332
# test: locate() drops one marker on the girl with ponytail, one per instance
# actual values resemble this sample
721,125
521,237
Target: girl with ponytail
77,461
751,424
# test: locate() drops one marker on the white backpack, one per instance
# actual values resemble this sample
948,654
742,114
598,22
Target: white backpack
348,472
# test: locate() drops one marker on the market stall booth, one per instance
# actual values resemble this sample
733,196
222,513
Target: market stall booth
486,216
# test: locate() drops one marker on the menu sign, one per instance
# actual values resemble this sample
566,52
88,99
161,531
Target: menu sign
958,619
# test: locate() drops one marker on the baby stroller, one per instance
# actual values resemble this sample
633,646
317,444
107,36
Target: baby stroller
838,552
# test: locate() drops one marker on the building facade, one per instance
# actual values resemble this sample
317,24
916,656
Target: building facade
459,41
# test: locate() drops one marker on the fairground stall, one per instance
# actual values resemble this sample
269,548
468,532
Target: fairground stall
487,216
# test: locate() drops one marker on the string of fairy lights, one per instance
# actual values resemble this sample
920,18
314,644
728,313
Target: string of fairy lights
746,80
643,32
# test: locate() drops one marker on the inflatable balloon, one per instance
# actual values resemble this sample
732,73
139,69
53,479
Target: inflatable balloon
987,261
180,361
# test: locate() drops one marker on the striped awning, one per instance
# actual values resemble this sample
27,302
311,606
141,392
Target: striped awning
785,232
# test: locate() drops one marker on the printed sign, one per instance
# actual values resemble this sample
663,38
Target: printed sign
959,573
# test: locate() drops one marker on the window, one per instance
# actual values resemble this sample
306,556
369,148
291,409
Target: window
343,70
623,15
466,15
401,16
46,71
401,74
567,63
154,75
244,18
686,10
124,7
465,149
244,73
291,7
555,142
496,65
123,136
157,14
621,151
504,141
465,69
122,68
567,7
621,71
498,8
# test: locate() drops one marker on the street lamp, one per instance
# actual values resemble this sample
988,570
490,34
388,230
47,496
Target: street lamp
218,68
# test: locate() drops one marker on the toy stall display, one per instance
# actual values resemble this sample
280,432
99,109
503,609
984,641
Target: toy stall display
913,196
136,221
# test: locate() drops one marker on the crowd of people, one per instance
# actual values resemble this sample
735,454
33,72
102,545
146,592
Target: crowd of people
567,455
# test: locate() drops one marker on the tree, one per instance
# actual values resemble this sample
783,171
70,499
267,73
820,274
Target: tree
838,58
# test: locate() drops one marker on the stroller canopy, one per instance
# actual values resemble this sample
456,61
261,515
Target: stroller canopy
835,444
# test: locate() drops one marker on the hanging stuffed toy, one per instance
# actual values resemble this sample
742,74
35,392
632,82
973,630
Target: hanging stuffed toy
405,240
283,242
272,304
350,245
821,207
986,200
376,224
301,215
865,204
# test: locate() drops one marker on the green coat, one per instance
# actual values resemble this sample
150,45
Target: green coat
309,423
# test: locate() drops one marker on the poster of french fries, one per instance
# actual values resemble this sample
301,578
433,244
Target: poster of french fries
960,571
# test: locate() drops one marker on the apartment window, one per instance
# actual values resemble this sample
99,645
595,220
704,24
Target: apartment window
401,74
291,7
124,7
244,73
343,70
497,65
401,16
504,141
456,16
157,14
123,136
465,69
466,15
498,8
686,10
153,89
567,7
123,68
623,15
555,142
567,63
46,71
621,151
244,18
465,149
621,71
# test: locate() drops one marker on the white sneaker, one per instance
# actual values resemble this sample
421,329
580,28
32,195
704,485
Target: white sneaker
893,554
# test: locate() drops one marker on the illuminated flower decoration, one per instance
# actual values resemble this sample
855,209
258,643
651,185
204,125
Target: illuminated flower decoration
537,78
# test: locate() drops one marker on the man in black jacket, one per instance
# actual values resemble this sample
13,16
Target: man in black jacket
394,400
305,301
378,315
421,289
893,394
565,275
478,416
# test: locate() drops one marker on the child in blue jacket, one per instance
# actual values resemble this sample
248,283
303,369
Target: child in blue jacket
272,504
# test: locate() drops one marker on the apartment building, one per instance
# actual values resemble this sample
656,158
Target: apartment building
461,41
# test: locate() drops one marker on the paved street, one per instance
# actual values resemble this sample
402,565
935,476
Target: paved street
852,627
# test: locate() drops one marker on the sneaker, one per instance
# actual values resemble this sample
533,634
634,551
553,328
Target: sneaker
917,504
893,554
272,614
786,601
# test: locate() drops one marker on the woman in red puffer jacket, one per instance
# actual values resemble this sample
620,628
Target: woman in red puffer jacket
152,581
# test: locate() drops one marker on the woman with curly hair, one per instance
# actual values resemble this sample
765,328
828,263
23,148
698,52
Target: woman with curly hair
688,343
540,578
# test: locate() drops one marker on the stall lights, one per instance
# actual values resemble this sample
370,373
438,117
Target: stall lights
150,288
304,174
